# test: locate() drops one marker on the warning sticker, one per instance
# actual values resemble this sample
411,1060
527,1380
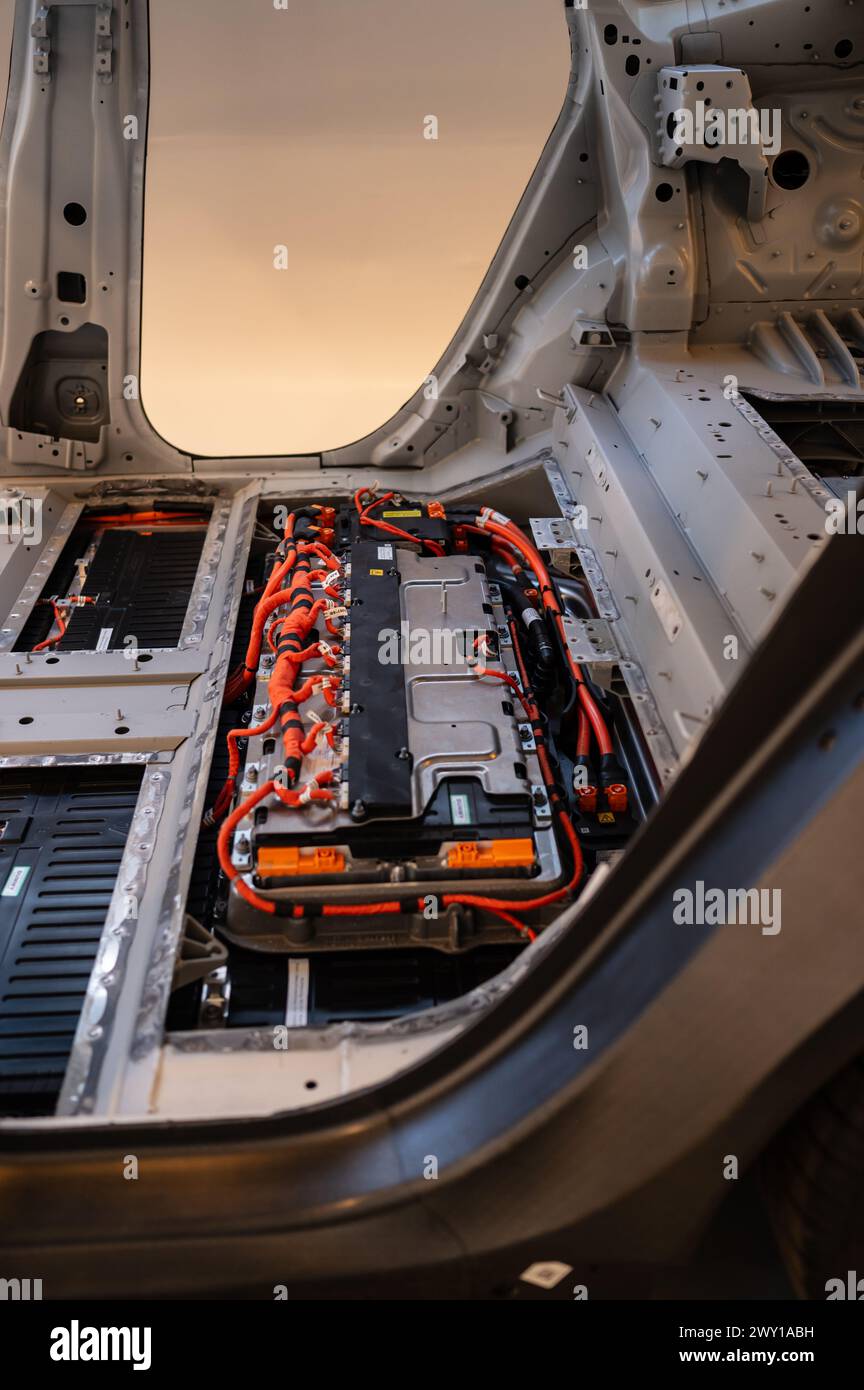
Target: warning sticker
378,572
15,882
606,818
297,1006
413,512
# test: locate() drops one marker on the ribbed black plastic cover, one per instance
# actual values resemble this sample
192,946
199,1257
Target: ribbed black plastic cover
62,835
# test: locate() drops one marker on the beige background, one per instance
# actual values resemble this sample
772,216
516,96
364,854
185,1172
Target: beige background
304,127
7,15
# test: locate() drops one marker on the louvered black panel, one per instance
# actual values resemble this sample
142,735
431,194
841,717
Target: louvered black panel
141,581
358,986
62,835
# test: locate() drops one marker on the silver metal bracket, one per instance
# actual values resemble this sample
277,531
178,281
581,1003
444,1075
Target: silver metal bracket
705,112
104,45
526,738
42,46
592,642
591,333
542,811
553,533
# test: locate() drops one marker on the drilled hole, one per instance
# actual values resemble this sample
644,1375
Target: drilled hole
791,169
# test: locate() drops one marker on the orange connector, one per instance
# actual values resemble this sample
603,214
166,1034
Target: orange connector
291,861
436,509
613,784
587,798
491,854
616,798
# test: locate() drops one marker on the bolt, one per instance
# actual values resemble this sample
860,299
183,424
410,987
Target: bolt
358,810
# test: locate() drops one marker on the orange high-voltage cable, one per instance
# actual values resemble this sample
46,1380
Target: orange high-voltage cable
495,524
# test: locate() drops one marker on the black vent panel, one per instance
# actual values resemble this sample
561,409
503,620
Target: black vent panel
140,582
62,836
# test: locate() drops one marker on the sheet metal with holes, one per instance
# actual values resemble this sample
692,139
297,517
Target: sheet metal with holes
118,721
591,642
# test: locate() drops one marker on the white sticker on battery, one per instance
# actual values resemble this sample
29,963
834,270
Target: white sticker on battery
460,809
297,1007
385,552
104,639
15,882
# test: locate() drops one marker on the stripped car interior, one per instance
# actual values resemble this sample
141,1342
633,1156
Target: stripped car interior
313,763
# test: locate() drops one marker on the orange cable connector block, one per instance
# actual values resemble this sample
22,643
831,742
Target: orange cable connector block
292,861
492,854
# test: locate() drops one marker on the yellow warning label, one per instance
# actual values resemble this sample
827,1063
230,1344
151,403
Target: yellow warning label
376,572
606,818
415,512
